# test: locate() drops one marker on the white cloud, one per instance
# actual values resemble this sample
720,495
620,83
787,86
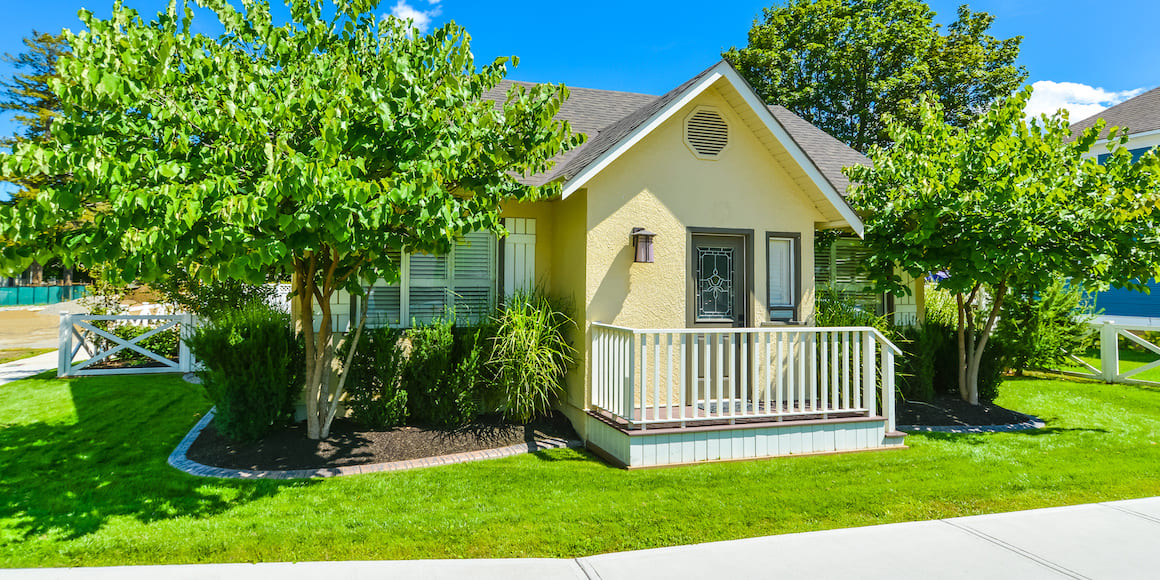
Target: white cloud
1080,100
420,18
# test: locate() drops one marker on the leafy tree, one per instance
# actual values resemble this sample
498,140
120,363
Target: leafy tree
28,93
317,147
844,65
1041,329
1003,204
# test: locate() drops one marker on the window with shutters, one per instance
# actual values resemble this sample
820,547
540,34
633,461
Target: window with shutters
783,272
430,286
840,266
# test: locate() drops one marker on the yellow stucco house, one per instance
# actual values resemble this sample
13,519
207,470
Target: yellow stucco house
684,234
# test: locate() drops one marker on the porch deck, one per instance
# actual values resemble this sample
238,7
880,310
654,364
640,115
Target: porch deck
664,397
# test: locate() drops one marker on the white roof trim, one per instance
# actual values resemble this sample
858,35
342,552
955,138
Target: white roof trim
636,135
722,70
1131,136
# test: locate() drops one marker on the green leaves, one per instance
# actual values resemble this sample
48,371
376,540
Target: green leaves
848,65
275,142
1004,201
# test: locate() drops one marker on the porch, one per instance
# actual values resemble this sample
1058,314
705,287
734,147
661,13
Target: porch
670,396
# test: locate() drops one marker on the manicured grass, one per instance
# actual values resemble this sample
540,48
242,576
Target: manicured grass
9,355
83,481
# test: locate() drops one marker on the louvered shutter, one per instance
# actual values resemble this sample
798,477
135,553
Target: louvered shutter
519,255
472,277
841,267
427,287
385,302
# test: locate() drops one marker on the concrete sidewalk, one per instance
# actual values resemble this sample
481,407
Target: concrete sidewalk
28,367
1107,540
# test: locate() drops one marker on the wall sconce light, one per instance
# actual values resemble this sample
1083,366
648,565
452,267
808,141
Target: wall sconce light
642,241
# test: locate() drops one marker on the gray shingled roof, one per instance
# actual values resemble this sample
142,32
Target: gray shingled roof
1139,114
607,117
828,154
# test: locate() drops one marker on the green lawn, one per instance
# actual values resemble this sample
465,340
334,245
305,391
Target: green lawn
83,481
12,354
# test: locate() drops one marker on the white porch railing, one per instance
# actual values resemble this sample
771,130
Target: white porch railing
77,333
687,376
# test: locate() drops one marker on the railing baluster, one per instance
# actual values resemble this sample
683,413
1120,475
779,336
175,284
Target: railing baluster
835,369
845,370
681,378
656,377
719,379
767,376
855,362
868,384
694,373
669,375
643,377
823,366
813,350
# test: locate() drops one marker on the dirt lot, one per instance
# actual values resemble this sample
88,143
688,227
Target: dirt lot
33,326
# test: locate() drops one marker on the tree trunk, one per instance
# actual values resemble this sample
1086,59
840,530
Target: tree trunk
321,400
971,350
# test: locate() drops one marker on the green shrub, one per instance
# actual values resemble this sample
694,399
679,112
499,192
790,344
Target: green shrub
442,375
164,343
836,308
375,393
1040,329
209,299
530,354
252,369
929,366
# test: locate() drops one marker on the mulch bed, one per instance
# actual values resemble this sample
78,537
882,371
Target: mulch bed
350,444
953,411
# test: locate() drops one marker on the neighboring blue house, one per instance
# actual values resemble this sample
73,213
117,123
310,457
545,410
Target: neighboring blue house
1141,117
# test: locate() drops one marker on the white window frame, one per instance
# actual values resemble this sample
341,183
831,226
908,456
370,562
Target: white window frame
406,317
787,313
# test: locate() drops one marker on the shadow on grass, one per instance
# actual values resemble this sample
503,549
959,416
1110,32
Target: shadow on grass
68,479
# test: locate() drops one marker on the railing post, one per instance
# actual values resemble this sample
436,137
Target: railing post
630,379
888,387
868,374
64,358
1109,352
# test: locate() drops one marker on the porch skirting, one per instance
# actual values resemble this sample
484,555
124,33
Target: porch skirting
679,446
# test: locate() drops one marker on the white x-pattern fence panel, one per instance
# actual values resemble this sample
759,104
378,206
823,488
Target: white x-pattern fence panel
77,333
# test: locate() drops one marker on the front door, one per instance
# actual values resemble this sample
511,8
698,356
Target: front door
718,299
719,285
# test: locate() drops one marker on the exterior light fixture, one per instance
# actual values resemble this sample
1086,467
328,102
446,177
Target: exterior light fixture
642,241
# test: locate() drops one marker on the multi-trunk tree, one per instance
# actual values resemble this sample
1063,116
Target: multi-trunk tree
1006,203
319,147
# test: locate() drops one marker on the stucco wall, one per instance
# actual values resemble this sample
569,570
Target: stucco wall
660,185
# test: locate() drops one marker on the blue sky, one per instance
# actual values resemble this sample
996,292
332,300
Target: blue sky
1083,55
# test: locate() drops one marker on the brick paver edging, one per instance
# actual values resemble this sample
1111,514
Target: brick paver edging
1032,422
180,461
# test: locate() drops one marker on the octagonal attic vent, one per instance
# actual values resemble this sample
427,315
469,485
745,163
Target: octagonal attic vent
706,132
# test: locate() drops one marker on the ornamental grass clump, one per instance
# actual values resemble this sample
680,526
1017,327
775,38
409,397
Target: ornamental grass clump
530,354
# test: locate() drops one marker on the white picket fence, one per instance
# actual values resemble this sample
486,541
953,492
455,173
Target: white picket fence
1109,369
687,376
77,333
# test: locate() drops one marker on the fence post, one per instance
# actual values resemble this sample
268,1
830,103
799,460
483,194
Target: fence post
1109,352
184,358
888,387
64,344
